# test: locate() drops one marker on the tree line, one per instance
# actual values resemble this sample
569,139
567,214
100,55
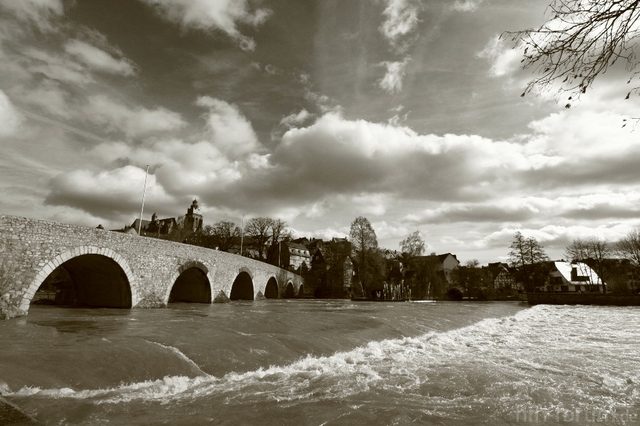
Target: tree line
262,234
373,271
613,262
410,273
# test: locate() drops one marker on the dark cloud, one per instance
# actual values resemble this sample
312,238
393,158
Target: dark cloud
621,169
478,213
602,211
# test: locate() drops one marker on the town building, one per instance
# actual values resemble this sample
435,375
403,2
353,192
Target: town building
503,281
573,277
294,256
443,264
326,265
170,228
621,275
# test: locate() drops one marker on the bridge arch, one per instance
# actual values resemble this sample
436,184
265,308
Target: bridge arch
192,282
301,290
271,289
98,269
289,291
242,287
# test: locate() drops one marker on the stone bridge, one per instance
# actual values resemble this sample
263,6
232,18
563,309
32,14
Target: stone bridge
112,269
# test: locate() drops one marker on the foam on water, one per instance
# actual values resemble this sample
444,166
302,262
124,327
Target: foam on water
544,359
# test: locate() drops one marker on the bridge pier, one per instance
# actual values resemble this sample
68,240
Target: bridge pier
111,269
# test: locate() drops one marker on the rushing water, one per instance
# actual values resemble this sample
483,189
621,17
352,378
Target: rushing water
305,362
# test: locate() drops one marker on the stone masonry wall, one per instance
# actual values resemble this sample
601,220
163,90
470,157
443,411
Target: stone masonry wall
31,249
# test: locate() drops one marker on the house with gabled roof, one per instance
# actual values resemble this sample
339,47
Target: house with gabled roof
573,277
295,256
444,263
504,283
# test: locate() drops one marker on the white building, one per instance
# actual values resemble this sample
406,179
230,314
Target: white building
573,277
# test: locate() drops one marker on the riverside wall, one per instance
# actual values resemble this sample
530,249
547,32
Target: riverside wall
583,299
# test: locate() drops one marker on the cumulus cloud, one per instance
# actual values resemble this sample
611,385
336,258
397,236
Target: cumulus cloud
504,59
296,119
584,158
228,128
105,194
481,179
339,156
324,103
180,167
337,163
98,59
10,118
400,21
222,15
228,151
392,80
133,121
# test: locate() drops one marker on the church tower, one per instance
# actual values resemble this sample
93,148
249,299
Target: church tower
193,218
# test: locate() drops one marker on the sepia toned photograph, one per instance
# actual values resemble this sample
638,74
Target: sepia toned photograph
319,212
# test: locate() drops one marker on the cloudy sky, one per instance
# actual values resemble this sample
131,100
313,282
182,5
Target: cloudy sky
407,112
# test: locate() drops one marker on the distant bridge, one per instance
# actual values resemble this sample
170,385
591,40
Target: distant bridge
112,269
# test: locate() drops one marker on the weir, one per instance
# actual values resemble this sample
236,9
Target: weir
81,266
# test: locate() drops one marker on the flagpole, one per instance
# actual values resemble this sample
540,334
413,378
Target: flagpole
144,190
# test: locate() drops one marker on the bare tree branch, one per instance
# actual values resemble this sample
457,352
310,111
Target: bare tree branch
580,41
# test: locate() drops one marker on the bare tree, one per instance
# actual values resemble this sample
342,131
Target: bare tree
526,255
364,245
279,231
577,251
591,250
413,245
581,40
259,229
225,234
629,246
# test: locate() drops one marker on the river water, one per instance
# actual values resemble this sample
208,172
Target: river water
312,362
